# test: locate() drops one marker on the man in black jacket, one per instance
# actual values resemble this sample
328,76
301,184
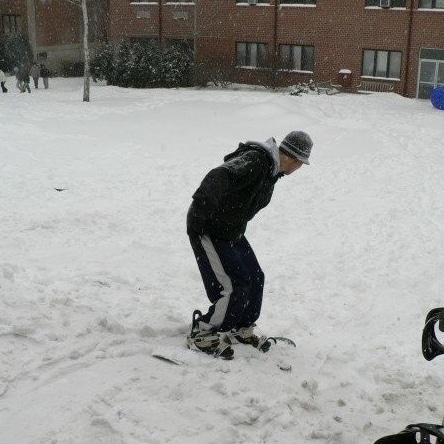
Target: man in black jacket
228,197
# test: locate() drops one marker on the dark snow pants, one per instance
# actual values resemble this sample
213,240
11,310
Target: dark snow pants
233,280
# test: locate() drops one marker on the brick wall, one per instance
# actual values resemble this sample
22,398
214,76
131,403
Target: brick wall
58,23
427,32
339,30
124,22
61,23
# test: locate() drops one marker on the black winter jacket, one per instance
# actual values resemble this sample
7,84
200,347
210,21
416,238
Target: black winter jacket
231,194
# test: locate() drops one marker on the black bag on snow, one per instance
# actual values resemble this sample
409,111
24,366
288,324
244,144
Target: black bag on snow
416,434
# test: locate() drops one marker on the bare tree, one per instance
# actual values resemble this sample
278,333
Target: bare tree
86,52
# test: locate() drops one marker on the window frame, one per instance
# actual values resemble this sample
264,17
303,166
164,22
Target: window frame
11,18
304,58
432,6
378,60
393,4
253,50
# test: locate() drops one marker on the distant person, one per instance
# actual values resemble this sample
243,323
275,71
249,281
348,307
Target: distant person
26,80
34,72
44,73
18,77
3,81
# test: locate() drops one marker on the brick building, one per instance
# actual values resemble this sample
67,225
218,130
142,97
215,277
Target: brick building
380,45
377,44
54,28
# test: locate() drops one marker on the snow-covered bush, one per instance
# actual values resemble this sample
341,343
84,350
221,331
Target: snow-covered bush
15,50
176,66
135,65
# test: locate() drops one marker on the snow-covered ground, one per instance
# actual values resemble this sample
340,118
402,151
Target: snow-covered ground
96,270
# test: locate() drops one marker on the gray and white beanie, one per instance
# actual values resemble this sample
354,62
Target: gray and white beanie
297,144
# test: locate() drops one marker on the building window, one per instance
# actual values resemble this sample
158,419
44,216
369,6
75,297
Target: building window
431,4
251,54
11,24
431,71
393,3
296,57
385,64
298,2
431,75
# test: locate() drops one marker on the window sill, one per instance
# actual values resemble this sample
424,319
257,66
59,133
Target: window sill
431,9
386,9
297,6
386,79
252,68
295,71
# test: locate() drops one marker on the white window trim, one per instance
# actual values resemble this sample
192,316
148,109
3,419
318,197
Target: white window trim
397,8
250,67
296,6
387,79
299,71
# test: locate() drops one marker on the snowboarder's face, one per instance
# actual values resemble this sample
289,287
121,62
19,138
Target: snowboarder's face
289,164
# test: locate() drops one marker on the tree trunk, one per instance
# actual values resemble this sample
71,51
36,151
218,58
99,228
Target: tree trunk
87,74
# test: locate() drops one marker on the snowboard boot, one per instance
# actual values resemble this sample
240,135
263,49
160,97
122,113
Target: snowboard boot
208,341
245,335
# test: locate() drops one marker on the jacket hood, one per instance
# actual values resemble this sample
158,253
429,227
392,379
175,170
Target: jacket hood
269,147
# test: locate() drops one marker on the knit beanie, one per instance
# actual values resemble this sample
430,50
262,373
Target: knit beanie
297,144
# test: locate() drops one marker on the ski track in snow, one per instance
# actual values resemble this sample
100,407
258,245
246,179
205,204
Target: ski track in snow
96,275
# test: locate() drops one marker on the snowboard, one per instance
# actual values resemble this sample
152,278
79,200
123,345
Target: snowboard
180,356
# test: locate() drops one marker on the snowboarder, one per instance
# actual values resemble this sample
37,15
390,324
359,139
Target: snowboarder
228,197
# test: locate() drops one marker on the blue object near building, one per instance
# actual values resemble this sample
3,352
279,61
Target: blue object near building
437,98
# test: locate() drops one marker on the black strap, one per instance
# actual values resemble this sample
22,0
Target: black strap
404,437
431,347
416,434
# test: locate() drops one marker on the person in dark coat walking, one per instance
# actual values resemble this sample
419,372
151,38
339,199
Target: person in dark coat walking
44,73
26,80
228,197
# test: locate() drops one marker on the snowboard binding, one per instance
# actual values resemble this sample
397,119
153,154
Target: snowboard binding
431,346
416,434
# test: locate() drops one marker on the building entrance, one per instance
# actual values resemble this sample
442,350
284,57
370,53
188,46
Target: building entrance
431,72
